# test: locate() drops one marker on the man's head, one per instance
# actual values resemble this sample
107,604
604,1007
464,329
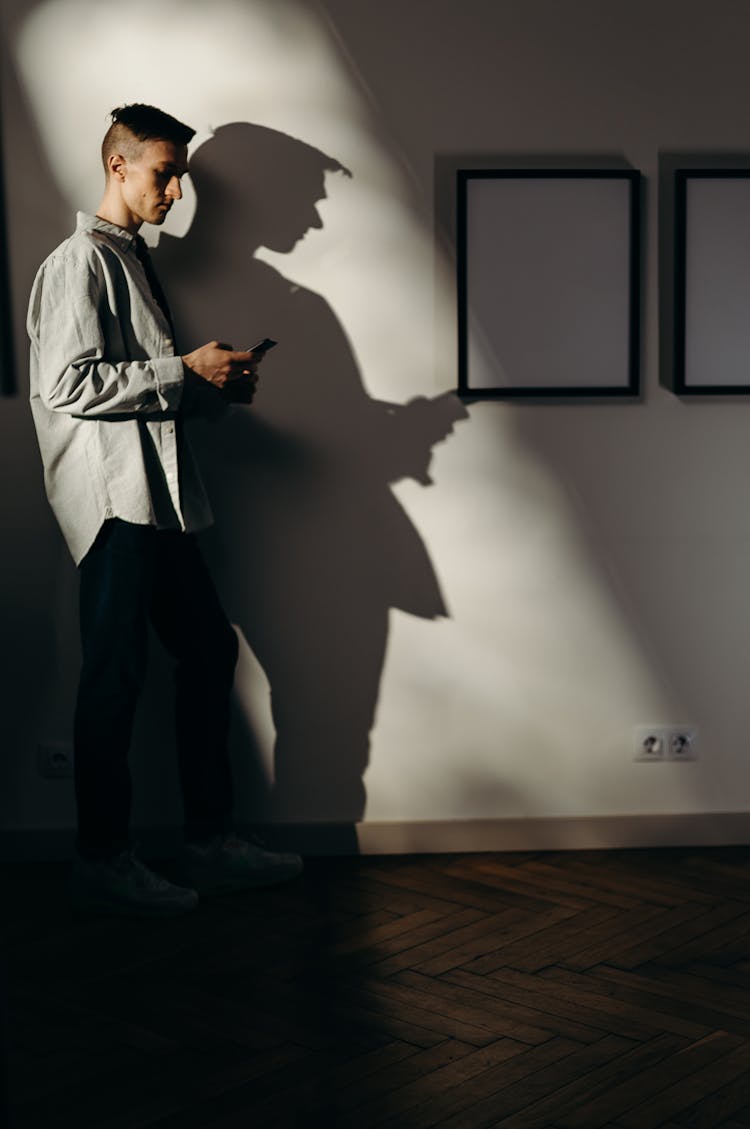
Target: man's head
144,153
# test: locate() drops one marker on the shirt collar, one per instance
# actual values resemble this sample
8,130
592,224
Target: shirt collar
86,222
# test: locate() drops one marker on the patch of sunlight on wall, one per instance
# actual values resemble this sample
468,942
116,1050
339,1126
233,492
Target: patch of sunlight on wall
522,702
253,698
270,62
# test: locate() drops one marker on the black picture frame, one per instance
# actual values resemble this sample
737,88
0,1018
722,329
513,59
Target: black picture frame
548,283
711,282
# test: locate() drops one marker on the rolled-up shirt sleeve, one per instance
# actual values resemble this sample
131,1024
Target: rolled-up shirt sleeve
78,375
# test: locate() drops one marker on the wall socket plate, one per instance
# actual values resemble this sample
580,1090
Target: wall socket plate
665,743
54,759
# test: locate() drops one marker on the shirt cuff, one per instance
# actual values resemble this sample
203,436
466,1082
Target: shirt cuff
170,380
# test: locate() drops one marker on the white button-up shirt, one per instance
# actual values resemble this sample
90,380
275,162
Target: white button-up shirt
106,392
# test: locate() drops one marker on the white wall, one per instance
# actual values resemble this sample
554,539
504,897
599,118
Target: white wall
592,557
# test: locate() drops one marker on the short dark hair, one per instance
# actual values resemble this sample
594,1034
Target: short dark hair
132,126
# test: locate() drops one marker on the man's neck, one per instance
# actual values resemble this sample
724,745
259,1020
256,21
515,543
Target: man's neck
113,212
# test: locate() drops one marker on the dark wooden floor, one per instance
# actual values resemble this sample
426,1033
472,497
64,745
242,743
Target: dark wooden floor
570,990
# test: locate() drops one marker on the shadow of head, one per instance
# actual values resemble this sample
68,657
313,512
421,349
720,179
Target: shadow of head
260,187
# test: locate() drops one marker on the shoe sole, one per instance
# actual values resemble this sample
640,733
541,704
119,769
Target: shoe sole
234,885
121,909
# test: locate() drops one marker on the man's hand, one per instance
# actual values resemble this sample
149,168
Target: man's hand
222,366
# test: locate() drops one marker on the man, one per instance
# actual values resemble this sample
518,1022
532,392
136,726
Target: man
108,396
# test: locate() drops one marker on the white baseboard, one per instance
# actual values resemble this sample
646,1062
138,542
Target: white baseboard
716,829
585,833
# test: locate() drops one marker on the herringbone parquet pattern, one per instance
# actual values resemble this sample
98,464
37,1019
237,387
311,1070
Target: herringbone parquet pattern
557,991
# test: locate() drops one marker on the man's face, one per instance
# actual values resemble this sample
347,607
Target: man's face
151,182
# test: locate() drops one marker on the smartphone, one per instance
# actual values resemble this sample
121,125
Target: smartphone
262,346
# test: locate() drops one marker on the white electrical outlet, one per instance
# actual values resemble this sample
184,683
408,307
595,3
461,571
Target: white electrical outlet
54,759
649,743
664,743
681,743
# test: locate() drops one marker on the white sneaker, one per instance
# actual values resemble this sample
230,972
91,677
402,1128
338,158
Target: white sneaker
124,886
229,862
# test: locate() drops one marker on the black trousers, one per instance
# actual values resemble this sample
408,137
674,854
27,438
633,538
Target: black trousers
134,574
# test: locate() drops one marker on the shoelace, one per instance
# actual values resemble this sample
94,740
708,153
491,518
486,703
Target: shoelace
243,846
144,878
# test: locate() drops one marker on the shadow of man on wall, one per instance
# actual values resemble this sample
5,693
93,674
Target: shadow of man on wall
311,548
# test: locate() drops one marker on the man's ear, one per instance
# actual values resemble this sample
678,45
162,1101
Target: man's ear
117,165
